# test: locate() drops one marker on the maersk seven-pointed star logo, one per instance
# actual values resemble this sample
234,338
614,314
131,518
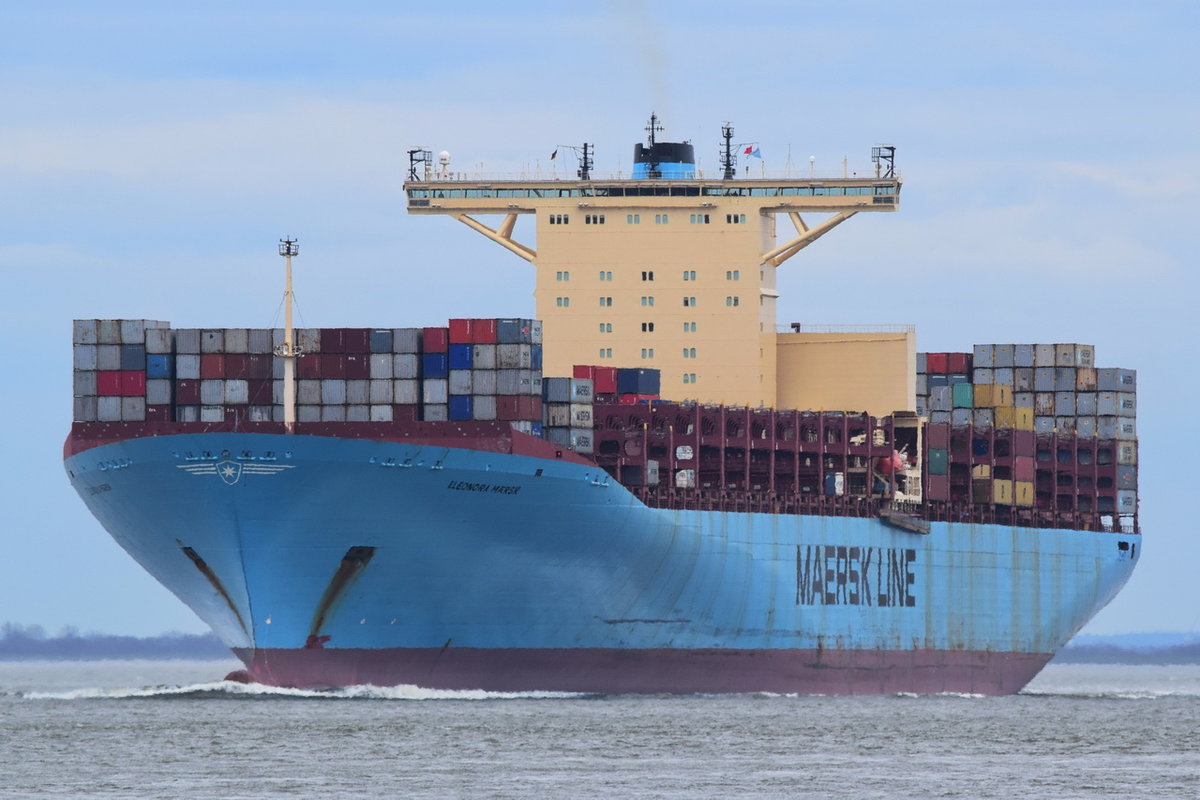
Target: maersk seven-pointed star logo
230,472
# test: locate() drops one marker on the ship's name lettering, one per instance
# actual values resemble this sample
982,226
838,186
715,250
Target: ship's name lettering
493,488
837,575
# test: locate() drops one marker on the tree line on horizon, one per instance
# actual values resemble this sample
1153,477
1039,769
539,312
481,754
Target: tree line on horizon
31,641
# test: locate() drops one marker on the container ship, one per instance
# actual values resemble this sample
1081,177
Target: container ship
647,487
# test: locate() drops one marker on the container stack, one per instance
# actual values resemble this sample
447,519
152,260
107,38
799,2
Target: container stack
143,371
944,391
638,385
569,412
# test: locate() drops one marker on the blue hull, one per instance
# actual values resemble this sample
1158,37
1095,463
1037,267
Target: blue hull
314,556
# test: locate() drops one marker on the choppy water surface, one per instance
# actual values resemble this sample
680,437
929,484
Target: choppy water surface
173,729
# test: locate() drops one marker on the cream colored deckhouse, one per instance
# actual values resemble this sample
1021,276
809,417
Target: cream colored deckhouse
676,271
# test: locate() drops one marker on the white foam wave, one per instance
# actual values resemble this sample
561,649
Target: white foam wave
237,689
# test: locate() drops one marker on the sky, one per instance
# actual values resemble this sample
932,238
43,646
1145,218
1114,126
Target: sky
152,154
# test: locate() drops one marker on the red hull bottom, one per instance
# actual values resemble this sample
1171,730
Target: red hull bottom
666,671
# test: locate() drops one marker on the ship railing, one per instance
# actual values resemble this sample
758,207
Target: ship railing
553,172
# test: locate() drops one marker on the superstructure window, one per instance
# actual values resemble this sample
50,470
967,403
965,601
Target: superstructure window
647,275
689,377
593,219
699,219
689,327
647,301
733,301
606,275
605,352
689,302
647,352
647,327
562,275
560,219
562,302
733,274
689,352
689,274
735,219
605,301
606,327
633,219
660,219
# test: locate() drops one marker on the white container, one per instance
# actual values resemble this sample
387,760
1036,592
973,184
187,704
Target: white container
332,413
381,392
159,341
333,392
358,413
158,392
212,393
237,340
237,392
84,357
212,341
358,392
483,407
406,366
382,365
108,409
85,331
381,413
406,392
212,413
435,392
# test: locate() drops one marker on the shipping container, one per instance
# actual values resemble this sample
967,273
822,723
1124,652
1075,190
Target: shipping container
983,357
435,412
459,380
484,382
435,340
406,392
358,392
381,413
460,406
381,393
237,340
406,366
333,392
460,356
1023,356
483,356
483,331
108,356
435,392
381,344
383,365
435,365
484,407
406,341
1002,356
936,363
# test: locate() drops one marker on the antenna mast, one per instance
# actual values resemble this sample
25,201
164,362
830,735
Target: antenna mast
652,166
728,164
288,351
585,162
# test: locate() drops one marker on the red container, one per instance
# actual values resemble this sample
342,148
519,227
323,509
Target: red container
158,414
1023,468
460,331
633,399
1023,443
958,362
212,366
260,367
529,408
356,340
333,365
259,391
358,366
187,392
937,436
604,380
133,383
937,487
333,340
508,407
435,340
237,414
936,363
108,382
403,413
584,371
308,366
483,331
237,366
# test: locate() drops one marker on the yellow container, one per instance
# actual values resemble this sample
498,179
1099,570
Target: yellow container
1023,493
1002,492
981,471
1020,419
993,395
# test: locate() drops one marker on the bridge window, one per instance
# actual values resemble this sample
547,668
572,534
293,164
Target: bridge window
562,275
690,302
689,274
689,377
733,301
733,274
689,327
647,301
700,219
647,327
562,302
605,352
560,219
606,327
647,276
633,219
735,219
593,219
660,219
605,275
689,352
606,301
647,352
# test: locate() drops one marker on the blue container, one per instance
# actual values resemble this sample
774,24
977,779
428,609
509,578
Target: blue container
133,356
627,381
649,381
936,380
435,365
535,357
461,356
460,406
381,340
514,331
537,429
158,366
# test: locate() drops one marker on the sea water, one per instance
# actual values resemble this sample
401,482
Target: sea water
174,729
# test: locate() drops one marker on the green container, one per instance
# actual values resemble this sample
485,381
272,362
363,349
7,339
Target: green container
939,461
964,395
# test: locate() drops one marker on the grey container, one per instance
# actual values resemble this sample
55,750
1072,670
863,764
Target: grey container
921,407
406,366
922,383
435,392
1085,426
1065,424
133,331
1003,355
1085,403
212,393
581,440
1106,427
406,340
984,356
261,413
1127,380
1005,376
358,392
582,390
483,356
1126,501
983,418
483,407
381,413
237,340
133,356
1043,404
333,392
939,417
187,413
83,383
381,392
237,392
212,413
558,436
108,331
406,392
333,413
508,382
1043,355
133,409
941,398
1023,355
514,356
158,392
187,367
84,356
187,340
922,363
85,409
160,341
1126,404
1024,399
308,413
358,413
308,392
1043,379
435,412
1064,404
212,341
1126,428
1043,424
1064,379
108,409
556,390
484,382
460,381
961,416
1085,379
1127,477
1106,404
108,356
535,331
277,392
1023,379
1064,355
557,414
262,341
383,365
85,331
